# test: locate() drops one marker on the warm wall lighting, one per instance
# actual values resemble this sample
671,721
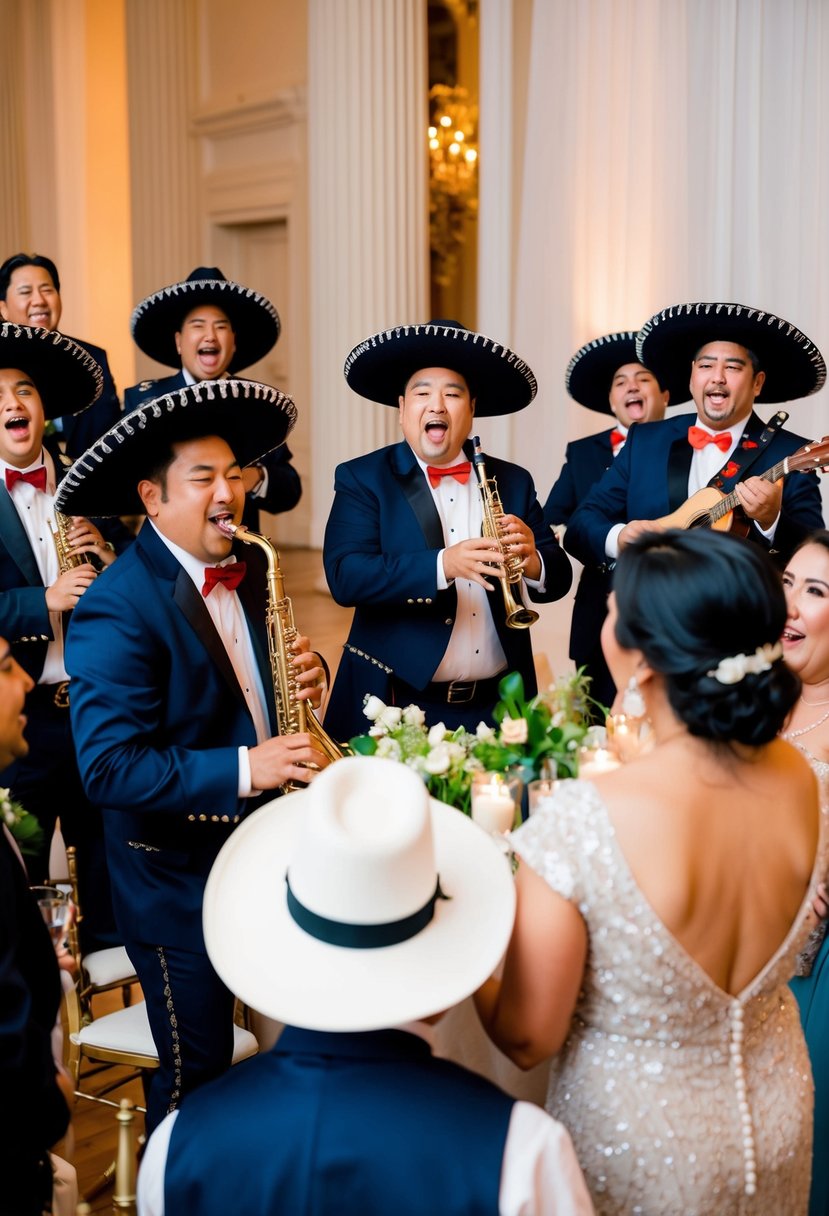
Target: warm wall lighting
453,176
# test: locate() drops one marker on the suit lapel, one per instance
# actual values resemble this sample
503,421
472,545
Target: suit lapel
190,604
679,467
413,484
16,540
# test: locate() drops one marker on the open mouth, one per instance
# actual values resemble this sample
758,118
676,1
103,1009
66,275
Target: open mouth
436,430
224,522
40,318
791,635
635,406
17,425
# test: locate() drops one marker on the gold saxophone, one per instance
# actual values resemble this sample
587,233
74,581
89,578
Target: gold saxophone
67,560
293,716
518,616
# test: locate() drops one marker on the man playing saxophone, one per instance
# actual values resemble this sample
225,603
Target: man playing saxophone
42,375
173,704
403,544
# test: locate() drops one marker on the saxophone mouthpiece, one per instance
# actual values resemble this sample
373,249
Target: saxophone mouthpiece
226,526
477,454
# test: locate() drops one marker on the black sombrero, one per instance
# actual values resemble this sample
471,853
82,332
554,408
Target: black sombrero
253,418
590,372
66,376
793,365
157,320
380,367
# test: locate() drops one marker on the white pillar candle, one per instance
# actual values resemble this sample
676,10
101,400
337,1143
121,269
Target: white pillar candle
493,809
599,761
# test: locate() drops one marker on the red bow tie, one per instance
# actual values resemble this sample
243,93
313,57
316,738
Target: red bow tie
459,471
34,477
698,438
617,437
230,575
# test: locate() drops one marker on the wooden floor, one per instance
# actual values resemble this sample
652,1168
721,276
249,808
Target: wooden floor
317,616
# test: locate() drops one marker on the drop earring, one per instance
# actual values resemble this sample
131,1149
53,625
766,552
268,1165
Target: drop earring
633,703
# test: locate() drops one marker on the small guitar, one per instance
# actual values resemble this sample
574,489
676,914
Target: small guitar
710,508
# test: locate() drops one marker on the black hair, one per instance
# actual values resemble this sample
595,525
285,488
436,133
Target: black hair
752,357
25,259
820,537
688,600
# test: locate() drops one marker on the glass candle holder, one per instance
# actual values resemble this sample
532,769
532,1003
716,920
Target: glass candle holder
495,801
627,736
540,792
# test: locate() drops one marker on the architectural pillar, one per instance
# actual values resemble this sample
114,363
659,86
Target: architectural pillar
368,231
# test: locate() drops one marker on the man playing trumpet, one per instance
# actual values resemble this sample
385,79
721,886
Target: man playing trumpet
403,544
174,706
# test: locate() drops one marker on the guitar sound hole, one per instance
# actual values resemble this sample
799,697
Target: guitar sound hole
703,520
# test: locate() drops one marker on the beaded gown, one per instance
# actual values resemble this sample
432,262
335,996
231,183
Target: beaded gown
680,1098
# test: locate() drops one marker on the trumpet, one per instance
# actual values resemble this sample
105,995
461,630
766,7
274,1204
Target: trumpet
518,616
293,716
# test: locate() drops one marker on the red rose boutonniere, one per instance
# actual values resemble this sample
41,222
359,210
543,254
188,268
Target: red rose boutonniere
730,469
748,444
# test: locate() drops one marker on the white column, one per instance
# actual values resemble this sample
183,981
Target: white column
368,232
166,225
495,185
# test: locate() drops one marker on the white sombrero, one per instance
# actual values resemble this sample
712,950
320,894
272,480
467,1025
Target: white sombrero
358,903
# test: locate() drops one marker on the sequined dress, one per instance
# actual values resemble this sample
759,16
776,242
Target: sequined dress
680,1099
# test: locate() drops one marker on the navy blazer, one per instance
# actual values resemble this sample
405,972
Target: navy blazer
158,716
649,479
380,554
359,1124
81,430
585,462
284,486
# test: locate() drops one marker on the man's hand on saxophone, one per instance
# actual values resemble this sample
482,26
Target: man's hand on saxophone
83,537
519,540
68,587
285,760
310,673
478,559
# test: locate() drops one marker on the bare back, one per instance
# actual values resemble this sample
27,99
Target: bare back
721,848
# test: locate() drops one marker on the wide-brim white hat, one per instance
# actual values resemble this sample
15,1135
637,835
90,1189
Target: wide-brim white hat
364,850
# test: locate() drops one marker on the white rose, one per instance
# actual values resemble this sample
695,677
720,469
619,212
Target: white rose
436,735
437,762
8,815
514,730
372,708
484,732
390,717
413,715
731,671
389,749
456,752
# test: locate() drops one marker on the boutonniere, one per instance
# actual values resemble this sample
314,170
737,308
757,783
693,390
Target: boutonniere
748,443
731,468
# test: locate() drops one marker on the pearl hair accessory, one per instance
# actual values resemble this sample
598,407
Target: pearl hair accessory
734,669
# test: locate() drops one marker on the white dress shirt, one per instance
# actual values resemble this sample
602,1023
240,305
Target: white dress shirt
37,515
474,651
226,612
540,1175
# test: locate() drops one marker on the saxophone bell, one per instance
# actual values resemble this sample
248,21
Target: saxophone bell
518,615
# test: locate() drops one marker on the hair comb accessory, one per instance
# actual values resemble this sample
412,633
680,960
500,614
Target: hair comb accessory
736,668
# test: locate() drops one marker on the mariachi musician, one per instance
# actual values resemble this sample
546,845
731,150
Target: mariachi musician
404,544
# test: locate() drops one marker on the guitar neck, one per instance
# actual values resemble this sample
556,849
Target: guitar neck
730,501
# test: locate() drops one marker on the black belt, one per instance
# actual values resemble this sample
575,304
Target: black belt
50,694
455,692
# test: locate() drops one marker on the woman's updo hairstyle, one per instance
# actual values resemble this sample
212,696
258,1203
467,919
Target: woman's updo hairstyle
688,600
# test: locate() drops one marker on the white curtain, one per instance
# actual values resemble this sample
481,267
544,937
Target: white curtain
674,150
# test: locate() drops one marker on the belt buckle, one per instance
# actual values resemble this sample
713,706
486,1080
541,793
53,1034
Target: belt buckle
460,692
61,695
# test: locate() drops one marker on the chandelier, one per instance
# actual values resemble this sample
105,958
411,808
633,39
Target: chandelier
453,176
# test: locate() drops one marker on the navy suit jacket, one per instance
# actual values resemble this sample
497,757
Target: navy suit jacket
158,716
585,462
360,1124
81,430
649,479
284,486
24,617
380,553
